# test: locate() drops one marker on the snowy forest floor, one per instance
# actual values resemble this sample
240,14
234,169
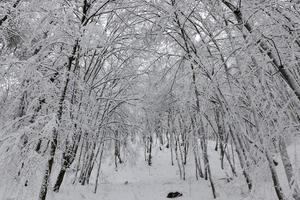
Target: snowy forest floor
155,182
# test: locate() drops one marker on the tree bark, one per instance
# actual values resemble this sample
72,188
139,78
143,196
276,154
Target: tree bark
289,170
241,159
59,179
99,167
53,145
274,175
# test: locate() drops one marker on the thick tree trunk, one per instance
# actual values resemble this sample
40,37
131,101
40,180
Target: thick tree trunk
45,182
53,145
117,153
204,159
68,158
181,160
205,155
150,141
274,175
65,165
220,136
59,179
78,164
289,170
185,152
230,164
198,165
241,159
99,167
177,158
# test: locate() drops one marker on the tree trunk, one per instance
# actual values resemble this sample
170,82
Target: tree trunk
275,179
230,164
45,182
99,167
208,167
59,179
181,160
289,169
241,159
177,158
150,141
78,164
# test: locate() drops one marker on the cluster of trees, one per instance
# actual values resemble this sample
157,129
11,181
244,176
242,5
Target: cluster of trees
81,79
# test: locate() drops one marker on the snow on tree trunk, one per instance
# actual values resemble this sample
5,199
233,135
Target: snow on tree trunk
274,176
289,169
53,144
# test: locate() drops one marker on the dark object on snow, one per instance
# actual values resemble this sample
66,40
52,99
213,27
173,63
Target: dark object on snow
174,194
26,183
126,182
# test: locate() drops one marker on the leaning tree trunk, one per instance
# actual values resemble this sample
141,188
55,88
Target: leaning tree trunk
204,159
99,166
232,167
177,157
182,161
274,175
53,144
205,155
220,136
60,178
289,169
44,187
171,138
198,164
196,150
241,157
87,170
68,159
78,163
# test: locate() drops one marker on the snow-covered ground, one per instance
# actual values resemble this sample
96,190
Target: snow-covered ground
145,183
154,183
